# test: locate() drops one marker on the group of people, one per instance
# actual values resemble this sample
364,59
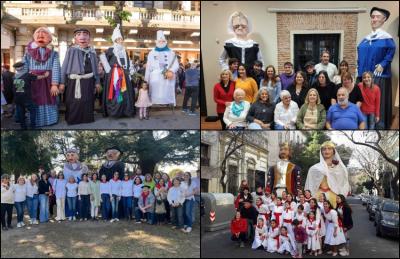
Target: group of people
41,81
155,200
303,100
316,96
291,224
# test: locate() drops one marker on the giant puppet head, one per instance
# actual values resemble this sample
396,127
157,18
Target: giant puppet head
161,42
42,37
284,151
72,155
239,24
82,37
113,153
117,36
378,17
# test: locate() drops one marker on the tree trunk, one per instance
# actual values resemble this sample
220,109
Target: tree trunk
221,181
147,167
394,186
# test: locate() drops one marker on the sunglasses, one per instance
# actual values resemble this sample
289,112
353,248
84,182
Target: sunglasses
239,25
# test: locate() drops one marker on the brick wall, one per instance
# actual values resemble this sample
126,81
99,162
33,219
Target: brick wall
287,22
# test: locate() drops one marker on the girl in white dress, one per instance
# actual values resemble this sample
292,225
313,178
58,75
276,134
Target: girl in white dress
286,242
334,231
273,237
320,222
277,213
301,216
263,211
143,101
260,235
313,241
287,217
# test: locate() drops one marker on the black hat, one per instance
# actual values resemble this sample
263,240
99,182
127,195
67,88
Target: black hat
114,147
146,186
81,29
309,63
18,64
385,12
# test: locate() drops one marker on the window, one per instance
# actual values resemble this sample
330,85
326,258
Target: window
251,179
144,4
204,185
260,178
205,160
233,179
310,46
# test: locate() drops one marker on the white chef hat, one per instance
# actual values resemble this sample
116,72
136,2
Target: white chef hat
116,33
160,35
242,15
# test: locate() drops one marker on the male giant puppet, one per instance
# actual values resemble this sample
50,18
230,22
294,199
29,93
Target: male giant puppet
113,164
162,64
39,59
80,76
329,176
284,176
375,54
240,47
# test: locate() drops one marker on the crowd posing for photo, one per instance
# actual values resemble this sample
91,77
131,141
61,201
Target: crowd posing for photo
320,97
291,224
157,200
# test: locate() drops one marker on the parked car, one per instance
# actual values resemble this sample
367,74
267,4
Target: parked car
370,201
364,199
375,205
387,219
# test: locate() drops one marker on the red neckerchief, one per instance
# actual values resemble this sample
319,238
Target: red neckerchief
158,186
285,235
258,206
287,210
144,196
327,211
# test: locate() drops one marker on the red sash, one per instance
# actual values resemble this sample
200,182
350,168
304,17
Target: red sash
277,215
287,220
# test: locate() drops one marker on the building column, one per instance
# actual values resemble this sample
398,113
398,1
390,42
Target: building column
18,54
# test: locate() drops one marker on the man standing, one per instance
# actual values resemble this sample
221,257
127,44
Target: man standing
287,77
79,73
8,78
162,64
329,176
192,76
257,73
330,68
284,176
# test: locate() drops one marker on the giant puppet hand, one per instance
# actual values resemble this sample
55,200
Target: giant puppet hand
378,70
169,75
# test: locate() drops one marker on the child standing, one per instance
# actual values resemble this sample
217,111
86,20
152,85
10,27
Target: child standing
278,210
288,216
300,237
23,97
20,197
313,241
301,216
72,193
143,101
371,94
260,236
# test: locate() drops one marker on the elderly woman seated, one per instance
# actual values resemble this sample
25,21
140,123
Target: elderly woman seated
235,114
261,113
312,114
285,114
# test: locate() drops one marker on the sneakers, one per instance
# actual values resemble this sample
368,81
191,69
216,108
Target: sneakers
73,218
173,227
185,110
116,219
22,224
343,253
241,244
69,218
35,222
19,225
188,230
183,230
192,114
111,221
138,222
30,222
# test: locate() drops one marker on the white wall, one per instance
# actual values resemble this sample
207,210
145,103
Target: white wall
215,14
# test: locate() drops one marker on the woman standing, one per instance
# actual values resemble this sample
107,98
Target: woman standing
84,197
44,192
148,180
176,198
273,83
95,197
223,94
312,114
168,184
344,212
19,199
32,198
343,68
248,84
72,193
137,192
189,190
160,192
60,192
105,192
7,201
299,88
126,196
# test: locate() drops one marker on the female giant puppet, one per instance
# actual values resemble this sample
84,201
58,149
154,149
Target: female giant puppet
240,47
329,176
375,54
38,59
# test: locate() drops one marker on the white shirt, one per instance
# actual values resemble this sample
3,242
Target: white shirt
331,69
289,116
105,188
20,192
31,189
230,118
72,189
115,187
176,195
7,196
59,187
84,188
137,190
188,190
127,188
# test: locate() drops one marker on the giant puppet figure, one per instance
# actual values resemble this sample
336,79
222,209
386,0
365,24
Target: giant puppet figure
118,92
73,167
38,60
284,176
240,47
113,164
329,176
162,65
375,54
80,76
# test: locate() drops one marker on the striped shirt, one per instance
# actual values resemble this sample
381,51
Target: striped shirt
53,64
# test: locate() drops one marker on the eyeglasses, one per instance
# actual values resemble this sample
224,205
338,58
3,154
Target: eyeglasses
244,26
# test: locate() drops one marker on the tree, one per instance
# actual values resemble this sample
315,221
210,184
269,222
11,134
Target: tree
119,15
381,142
369,160
235,142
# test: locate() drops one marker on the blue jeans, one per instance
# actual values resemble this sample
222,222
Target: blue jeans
149,216
369,121
254,126
20,210
279,127
32,203
127,206
187,208
114,207
105,206
135,202
20,113
177,216
71,201
84,207
44,208
196,204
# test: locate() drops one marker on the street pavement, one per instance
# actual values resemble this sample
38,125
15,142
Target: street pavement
363,241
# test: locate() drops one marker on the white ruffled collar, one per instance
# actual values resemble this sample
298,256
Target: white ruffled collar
379,34
241,43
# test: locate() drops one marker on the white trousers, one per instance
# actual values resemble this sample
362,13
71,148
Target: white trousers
60,208
94,210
